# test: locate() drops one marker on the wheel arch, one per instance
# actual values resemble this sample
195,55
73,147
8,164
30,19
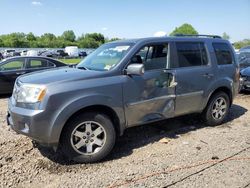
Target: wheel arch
224,89
108,111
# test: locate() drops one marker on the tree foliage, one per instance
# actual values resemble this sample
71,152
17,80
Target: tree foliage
225,36
69,36
49,40
241,44
88,40
185,29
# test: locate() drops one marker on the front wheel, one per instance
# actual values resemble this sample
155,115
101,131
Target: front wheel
88,138
217,109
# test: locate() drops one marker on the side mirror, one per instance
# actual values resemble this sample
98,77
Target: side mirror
135,69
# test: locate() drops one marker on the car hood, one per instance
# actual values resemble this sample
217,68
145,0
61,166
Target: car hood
59,75
245,72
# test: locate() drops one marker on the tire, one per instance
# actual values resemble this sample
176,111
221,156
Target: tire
215,114
86,131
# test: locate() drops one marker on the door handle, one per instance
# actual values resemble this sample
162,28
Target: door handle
20,73
173,84
208,75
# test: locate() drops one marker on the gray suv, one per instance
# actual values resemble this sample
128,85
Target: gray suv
122,84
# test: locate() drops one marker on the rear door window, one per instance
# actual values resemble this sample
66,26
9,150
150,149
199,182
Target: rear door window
223,53
191,54
37,63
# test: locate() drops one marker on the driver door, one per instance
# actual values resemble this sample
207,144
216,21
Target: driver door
151,96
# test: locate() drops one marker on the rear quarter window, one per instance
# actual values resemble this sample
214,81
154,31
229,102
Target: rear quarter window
223,53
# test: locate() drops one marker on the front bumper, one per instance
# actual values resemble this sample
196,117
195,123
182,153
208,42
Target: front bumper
245,85
32,123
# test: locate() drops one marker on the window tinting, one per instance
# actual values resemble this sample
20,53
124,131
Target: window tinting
13,65
191,54
37,63
223,53
50,64
154,57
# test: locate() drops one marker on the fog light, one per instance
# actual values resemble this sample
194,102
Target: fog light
26,128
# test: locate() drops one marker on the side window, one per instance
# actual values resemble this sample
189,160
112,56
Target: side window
12,65
223,53
191,54
154,56
50,64
37,63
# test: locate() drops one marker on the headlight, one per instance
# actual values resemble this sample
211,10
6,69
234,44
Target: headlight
29,93
243,78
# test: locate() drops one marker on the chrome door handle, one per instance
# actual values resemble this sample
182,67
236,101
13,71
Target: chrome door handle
20,73
208,75
173,84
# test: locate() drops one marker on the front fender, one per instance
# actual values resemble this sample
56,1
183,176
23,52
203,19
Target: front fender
79,103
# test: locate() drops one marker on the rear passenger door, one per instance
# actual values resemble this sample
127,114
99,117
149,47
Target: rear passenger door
36,64
193,75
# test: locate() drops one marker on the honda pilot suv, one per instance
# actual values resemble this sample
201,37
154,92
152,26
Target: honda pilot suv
122,84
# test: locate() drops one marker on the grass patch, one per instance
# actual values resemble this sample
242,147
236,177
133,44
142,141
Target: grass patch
71,61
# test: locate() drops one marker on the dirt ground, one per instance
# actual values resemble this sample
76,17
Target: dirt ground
180,152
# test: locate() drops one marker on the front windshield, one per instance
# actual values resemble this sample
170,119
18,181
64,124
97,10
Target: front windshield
105,57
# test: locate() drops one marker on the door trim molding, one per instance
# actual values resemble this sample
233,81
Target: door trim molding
166,97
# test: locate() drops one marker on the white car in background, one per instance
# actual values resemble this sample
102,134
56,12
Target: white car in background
72,51
8,53
32,53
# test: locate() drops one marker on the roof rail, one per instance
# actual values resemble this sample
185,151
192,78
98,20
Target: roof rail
209,36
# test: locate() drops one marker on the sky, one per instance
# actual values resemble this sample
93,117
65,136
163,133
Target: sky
125,18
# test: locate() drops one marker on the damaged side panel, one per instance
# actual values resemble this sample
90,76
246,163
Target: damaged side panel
149,97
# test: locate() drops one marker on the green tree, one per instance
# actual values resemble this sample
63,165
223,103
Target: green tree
16,40
225,36
69,36
47,40
88,43
185,29
113,39
241,44
1,43
30,36
96,36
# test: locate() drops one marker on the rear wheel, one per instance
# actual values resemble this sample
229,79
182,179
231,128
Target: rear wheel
217,109
88,138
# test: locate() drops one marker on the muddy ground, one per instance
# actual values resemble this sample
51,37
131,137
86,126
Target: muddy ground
180,152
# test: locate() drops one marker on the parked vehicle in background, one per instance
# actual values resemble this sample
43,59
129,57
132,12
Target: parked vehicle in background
72,51
11,68
24,52
8,53
32,53
245,48
61,54
49,53
245,79
124,84
82,54
1,56
244,59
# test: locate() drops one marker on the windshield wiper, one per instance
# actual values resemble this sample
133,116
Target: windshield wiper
82,68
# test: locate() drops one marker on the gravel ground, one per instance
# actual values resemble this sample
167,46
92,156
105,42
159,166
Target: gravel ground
180,152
